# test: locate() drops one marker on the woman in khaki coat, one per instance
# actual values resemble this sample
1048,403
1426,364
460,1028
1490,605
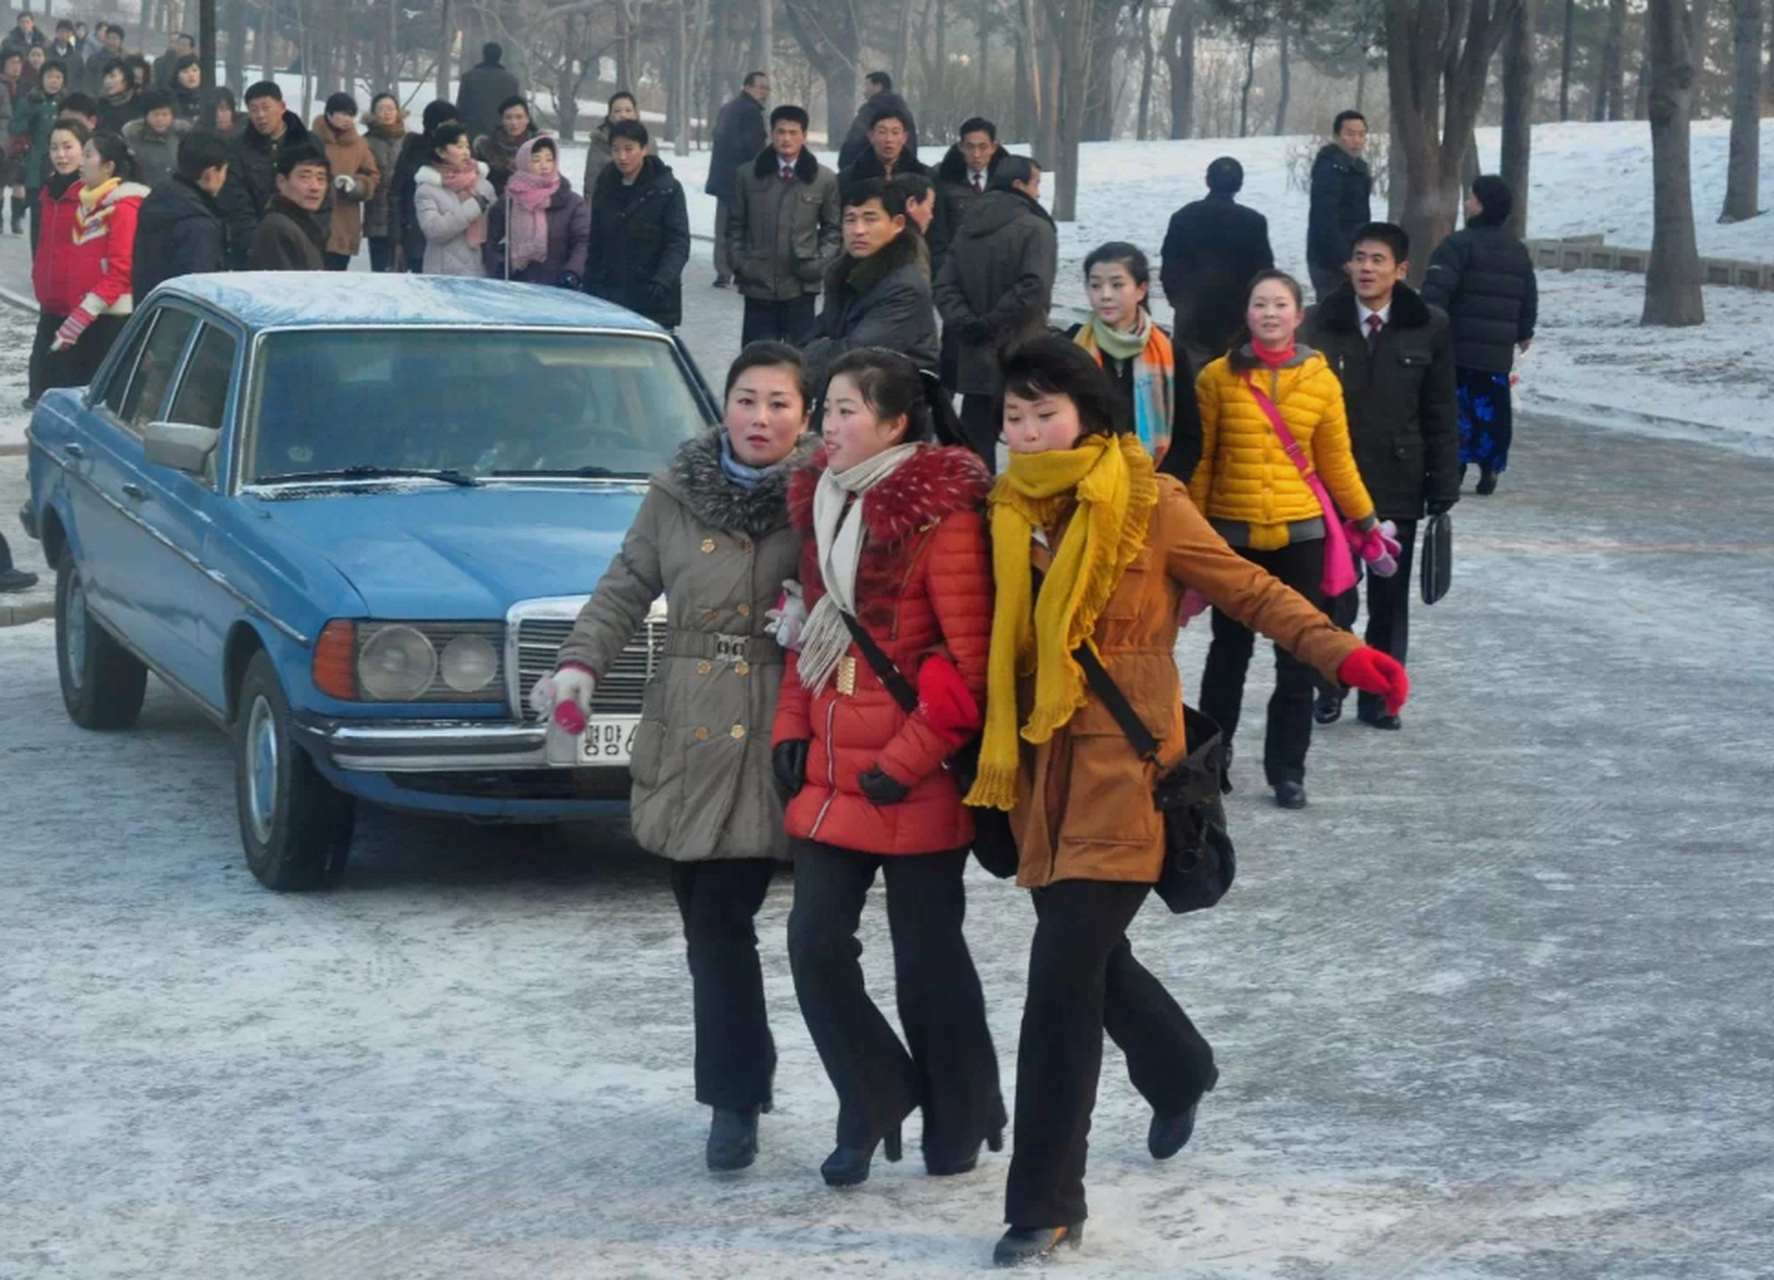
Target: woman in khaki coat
355,178
1118,545
713,536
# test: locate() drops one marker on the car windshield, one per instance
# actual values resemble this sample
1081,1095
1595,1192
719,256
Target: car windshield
370,403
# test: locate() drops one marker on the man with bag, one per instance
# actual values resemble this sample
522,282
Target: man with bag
1394,356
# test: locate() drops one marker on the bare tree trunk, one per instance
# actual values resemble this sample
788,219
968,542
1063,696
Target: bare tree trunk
1074,66
983,20
624,44
1047,61
939,93
268,37
1672,284
1610,74
1566,51
1144,120
236,46
1250,74
1286,88
1179,57
1743,175
1641,97
1519,83
348,33
446,39
766,56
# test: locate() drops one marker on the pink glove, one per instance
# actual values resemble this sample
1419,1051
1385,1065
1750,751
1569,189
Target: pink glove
71,329
1379,546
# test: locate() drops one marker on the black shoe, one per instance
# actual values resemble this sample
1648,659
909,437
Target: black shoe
29,402
1379,720
19,580
1487,484
1169,1134
1290,795
1329,707
1035,1244
723,282
849,1166
732,1140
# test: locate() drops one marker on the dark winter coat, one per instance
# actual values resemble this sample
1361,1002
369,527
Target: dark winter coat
1000,274
957,194
252,181
403,218
783,236
703,785
289,238
387,149
569,238
498,151
18,42
187,105
597,157
740,133
479,94
1483,277
923,584
1399,400
856,138
1341,186
34,118
640,241
868,167
1185,419
179,232
117,114
156,154
1211,251
878,301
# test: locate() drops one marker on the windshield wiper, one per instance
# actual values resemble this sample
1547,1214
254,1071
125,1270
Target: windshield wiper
365,471
586,473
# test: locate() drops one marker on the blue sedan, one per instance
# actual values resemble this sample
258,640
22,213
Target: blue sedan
352,518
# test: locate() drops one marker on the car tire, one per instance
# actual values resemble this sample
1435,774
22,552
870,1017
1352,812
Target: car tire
102,682
295,826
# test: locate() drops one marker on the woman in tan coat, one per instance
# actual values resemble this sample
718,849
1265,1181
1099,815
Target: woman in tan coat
355,178
1117,545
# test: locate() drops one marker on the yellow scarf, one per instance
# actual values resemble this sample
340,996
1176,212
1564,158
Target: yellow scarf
93,218
1111,482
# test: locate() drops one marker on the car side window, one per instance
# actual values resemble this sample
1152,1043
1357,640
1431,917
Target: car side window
154,371
121,372
202,397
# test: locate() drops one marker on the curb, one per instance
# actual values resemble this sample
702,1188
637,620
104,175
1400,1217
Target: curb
18,300
16,615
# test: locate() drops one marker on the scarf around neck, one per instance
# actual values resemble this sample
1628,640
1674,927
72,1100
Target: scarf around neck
838,527
464,180
1154,374
1109,486
526,226
746,477
92,218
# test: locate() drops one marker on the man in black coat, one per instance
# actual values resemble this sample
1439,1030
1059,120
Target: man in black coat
640,231
179,230
739,136
1341,188
482,89
1394,356
290,236
252,167
877,94
878,293
1212,250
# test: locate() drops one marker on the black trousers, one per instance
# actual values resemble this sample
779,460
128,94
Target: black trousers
1325,280
381,260
38,370
76,366
767,321
1301,566
947,1064
735,1054
1388,613
1083,980
338,261
979,419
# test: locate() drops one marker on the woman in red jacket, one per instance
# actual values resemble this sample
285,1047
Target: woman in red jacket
893,536
52,267
89,270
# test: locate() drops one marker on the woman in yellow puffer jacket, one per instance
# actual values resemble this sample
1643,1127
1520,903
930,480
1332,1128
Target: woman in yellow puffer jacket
1254,495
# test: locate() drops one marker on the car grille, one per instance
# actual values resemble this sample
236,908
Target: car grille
619,690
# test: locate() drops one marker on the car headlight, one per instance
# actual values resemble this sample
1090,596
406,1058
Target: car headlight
397,664
469,664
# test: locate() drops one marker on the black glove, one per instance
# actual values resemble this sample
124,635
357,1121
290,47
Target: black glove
1441,506
976,332
568,280
658,294
882,788
789,761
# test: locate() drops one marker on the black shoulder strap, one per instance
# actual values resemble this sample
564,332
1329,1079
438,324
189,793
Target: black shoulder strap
1103,685
890,676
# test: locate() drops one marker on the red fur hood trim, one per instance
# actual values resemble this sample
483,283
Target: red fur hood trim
936,481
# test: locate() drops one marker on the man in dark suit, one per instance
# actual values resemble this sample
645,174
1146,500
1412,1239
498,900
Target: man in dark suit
739,136
1211,251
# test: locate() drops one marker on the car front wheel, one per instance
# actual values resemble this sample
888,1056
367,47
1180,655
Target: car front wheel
102,682
294,825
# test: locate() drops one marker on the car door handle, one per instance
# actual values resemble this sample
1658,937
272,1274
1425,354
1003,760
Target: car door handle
134,491
75,451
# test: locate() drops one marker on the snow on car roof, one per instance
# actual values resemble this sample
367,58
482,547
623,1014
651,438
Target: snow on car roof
282,299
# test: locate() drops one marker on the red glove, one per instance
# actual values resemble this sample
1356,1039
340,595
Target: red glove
945,702
1377,673
71,329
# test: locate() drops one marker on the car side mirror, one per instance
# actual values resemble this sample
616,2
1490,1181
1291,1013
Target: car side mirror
183,446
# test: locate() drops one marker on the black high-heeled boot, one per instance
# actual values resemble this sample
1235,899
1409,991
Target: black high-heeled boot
732,1140
1169,1134
849,1166
1020,1245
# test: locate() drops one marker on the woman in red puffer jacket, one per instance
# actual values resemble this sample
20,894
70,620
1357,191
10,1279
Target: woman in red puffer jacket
892,534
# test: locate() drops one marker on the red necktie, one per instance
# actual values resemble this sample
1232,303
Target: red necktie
788,173
1373,331
979,183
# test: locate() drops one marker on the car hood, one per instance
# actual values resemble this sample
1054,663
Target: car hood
424,551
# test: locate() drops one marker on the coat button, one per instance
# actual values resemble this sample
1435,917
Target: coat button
703,668
708,546
709,615
743,611
702,733
738,731
743,669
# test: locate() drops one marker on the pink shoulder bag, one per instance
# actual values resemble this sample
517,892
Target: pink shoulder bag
1339,566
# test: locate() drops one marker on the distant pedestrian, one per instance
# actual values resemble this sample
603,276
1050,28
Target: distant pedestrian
187,90
1154,385
963,178
996,289
227,115
889,152
385,133
1212,251
783,232
166,65
640,231
1483,276
483,88
31,123
13,90
180,230
54,279
415,154
621,106
155,139
541,225
24,35
252,173
96,279
1392,354
290,236
877,95
1341,187
119,102
1253,488
878,293
739,136
451,198
498,149
66,44
355,178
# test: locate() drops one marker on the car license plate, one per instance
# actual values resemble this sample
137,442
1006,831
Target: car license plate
608,740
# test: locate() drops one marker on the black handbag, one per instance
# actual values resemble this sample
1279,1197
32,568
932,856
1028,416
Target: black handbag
993,844
1436,558
1199,860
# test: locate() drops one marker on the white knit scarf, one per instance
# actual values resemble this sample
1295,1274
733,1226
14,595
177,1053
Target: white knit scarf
838,533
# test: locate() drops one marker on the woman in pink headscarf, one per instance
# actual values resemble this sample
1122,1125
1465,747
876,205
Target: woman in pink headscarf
542,226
